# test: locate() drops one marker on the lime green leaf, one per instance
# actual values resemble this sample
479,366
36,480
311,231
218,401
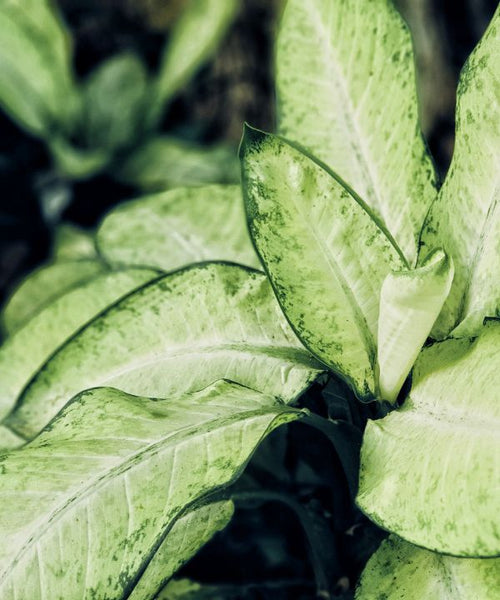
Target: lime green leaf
31,346
185,589
465,219
325,255
400,570
76,162
177,334
428,471
189,533
164,162
114,102
410,302
36,83
73,243
346,92
193,39
86,504
177,228
9,440
43,286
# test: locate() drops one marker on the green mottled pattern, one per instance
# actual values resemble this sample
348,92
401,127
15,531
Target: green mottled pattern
24,352
401,571
180,333
9,440
43,286
36,84
325,255
177,228
429,471
346,91
465,219
85,505
189,533
410,302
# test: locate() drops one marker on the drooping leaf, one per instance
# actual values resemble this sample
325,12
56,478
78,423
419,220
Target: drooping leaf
43,286
31,346
325,255
193,39
189,533
73,243
36,83
401,570
114,102
346,92
164,162
177,228
122,469
428,471
177,334
465,219
410,302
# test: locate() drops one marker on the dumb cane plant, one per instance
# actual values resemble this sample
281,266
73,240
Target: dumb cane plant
106,490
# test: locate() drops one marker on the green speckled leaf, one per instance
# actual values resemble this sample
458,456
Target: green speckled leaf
9,440
177,334
177,228
189,533
87,503
346,92
43,286
428,470
325,255
24,352
410,302
465,219
399,570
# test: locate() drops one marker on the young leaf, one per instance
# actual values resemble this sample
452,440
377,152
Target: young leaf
428,471
177,334
122,470
177,228
73,243
400,570
325,255
410,302
36,83
346,91
465,219
189,533
43,286
31,346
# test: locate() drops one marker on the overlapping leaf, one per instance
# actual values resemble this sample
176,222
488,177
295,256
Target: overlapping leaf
428,471
346,91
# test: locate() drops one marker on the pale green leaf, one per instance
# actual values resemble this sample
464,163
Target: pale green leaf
399,570
177,334
9,440
189,533
73,243
177,228
325,255
465,219
87,503
164,162
77,162
346,92
43,286
24,352
36,83
114,102
410,302
428,470
192,41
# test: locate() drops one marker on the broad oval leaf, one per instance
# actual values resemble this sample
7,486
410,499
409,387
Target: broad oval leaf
346,92
43,286
325,255
24,352
177,334
410,302
177,228
400,570
122,469
428,471
465,219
